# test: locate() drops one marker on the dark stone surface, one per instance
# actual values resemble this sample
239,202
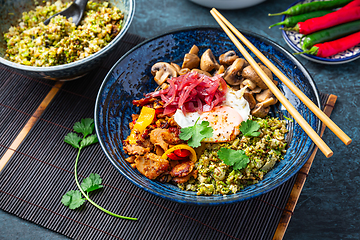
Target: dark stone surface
329,204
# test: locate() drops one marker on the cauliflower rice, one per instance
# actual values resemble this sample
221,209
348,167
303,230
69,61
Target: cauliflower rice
215,177
34,44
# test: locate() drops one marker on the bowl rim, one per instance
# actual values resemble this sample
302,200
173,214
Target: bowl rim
88,59
225,200
312,57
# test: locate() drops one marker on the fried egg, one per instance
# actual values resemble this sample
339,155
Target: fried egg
225,119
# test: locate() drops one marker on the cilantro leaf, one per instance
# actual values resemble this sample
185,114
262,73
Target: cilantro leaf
195,134
249,128
91,183
89,140
86,126
73,199
73,139
235,158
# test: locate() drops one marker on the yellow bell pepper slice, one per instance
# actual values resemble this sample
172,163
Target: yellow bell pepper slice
145,119
181,146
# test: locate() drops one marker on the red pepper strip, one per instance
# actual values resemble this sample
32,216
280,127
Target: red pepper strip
355,3
182,153
174,157
330,48
328,20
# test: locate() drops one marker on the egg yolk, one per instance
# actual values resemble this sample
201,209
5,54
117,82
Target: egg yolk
225,122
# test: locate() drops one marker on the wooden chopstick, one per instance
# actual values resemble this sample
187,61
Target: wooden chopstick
273,88
320,114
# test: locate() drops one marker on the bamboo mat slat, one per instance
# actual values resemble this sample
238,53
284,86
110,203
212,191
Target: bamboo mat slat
41,170
329,103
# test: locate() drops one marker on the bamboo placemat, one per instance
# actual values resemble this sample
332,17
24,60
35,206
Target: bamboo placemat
38,114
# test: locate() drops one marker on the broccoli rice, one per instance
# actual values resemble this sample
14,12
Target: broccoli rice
60,42
215,177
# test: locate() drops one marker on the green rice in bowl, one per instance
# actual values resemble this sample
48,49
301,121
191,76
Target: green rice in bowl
216,177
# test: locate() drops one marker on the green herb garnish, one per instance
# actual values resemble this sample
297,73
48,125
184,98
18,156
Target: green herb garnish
73,199
92,183
195,134
235,158
249,128
289,119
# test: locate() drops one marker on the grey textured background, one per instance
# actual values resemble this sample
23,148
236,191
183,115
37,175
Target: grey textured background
329,204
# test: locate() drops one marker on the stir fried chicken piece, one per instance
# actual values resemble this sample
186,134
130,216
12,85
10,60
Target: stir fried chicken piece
151,165
186,178
156,138
131,159
135,149
171,138
182,169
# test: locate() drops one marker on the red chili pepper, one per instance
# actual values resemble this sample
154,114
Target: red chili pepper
329,20
355,3
330,48
182,153
159,111
174,157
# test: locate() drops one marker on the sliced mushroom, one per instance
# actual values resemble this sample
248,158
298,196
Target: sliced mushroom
201,72
228,58
184,71
250,73
177,67
269,102
220,70
191,61
232,74
161,71
256,90
260,111
194,50
208,61
248,83
260,97
249,98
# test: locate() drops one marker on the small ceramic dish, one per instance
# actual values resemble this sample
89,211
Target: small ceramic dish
131,77
293,39
63,72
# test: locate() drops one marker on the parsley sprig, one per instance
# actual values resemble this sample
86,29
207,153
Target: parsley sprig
195,134
73,198
235,158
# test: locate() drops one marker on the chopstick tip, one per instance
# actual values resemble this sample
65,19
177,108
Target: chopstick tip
329,154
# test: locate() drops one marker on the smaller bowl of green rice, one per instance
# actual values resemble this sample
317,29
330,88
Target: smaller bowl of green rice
60,50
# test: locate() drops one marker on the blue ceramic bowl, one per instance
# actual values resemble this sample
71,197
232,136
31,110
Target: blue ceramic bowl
293,39
130,78
64,72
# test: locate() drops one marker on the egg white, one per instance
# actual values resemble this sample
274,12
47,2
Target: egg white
234,99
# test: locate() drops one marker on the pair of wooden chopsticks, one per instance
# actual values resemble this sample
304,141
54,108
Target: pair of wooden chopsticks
226,26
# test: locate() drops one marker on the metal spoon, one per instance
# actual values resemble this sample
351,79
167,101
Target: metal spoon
75,10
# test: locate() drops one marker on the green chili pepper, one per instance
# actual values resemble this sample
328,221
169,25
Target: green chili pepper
330,34
293,20
312,6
